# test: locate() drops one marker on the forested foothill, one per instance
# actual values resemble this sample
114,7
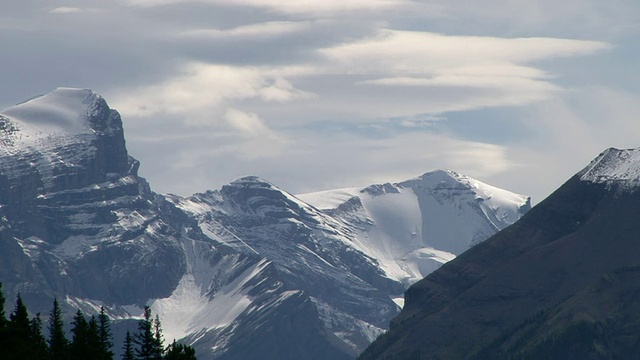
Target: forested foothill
22,337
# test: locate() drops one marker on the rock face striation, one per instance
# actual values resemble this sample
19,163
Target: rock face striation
561,283
75,217
245,272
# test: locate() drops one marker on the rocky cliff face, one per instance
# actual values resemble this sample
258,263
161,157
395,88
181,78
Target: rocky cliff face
74,212
248,271
550,286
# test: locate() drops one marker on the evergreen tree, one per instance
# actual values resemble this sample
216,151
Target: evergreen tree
17,344
145,339
105,336
177,351
40,351
127,349
79,348
93,339
58,343
23,337
158,341
4,332
3,314
19,323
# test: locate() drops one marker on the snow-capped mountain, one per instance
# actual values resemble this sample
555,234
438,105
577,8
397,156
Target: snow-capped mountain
248,271
561,283
614,166
307,251
75,218
413,227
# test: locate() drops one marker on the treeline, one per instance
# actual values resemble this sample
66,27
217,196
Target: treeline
21,337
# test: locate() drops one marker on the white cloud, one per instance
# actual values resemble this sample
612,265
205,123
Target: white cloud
72,10
201,92
281,90
255,119
299,7
498,90
488,71
424,52
247,123
65,10
502,67
259,30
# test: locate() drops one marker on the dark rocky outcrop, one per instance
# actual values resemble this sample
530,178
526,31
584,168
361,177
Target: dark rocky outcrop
556,279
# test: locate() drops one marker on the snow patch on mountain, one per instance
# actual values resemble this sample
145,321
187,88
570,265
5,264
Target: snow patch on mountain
209,295
189,310
347,328
413,227
614,166
500,206
31,246
310,251
329,199
62,111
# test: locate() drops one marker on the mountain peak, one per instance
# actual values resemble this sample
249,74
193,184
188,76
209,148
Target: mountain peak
547,287
436,177
252,181
380,189
68,140
252,194
63,111
614,165
445,180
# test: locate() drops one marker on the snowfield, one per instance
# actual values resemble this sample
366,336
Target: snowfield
413,227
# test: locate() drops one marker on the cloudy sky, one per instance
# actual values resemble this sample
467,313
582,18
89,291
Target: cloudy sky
319,94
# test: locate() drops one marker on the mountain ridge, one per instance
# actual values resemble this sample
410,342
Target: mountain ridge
77,222
439,214
493,295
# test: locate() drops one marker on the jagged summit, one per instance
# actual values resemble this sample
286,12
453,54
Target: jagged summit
614,166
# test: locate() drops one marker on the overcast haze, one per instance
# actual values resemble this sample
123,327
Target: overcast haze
320,94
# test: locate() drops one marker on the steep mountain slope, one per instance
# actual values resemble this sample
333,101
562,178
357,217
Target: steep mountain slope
308,255
75,217
248,271
562,280
335,258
